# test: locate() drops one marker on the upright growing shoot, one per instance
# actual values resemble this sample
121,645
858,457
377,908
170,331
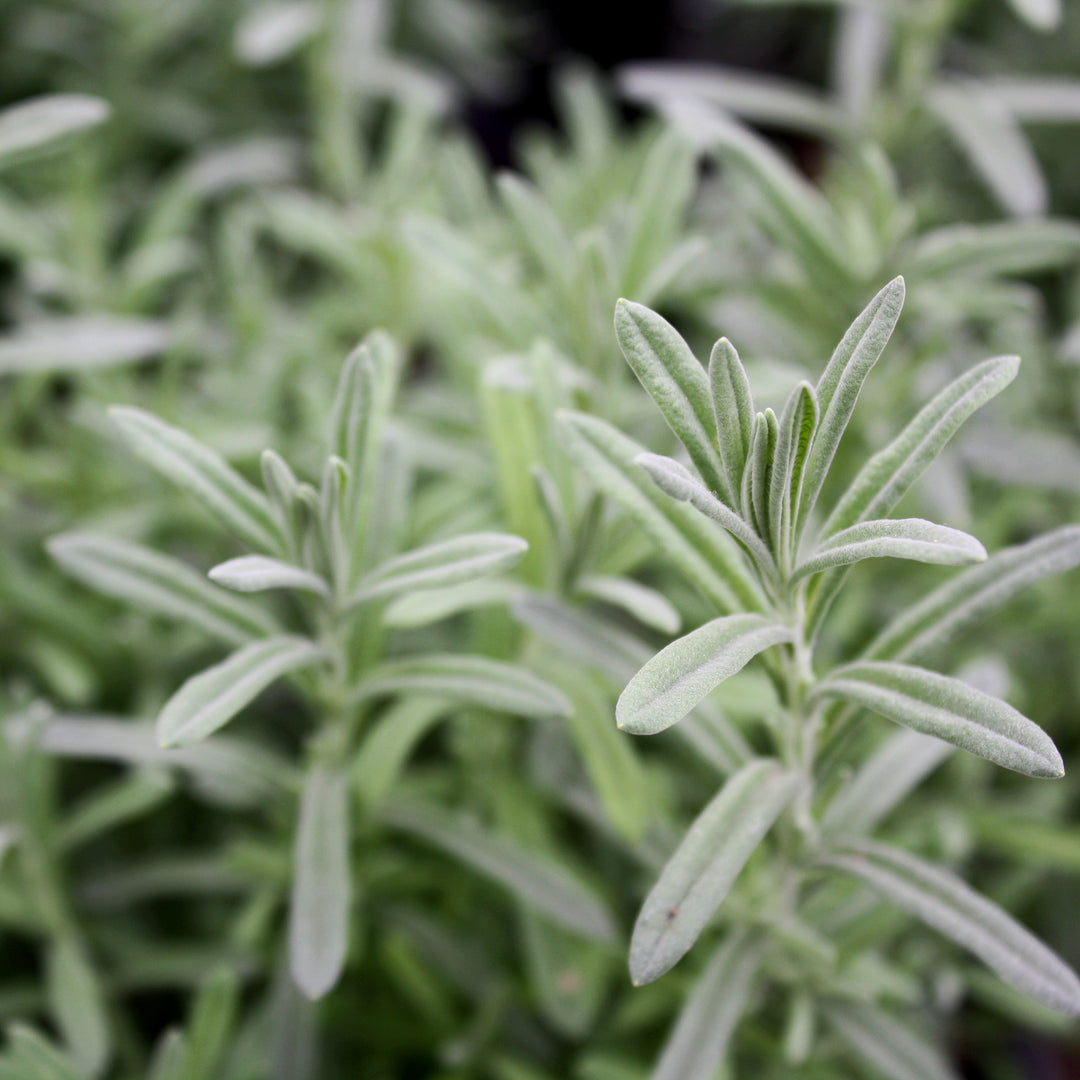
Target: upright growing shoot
758,476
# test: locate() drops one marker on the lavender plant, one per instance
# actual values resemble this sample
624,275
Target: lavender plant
755,479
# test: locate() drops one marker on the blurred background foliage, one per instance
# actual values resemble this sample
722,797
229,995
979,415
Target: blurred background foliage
247,190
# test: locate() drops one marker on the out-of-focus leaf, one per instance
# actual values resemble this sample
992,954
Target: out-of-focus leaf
931,623
158,583
989,135
493,684
255,573
204,473
893,1049
213,697
81,343
944,902
77,1004
40,124
438,565
319,909
541,884
695,1048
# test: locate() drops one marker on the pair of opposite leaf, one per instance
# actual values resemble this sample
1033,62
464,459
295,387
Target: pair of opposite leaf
759,477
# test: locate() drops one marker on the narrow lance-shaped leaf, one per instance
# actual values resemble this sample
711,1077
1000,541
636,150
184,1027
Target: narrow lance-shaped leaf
41,123
319,909
944,902
649,607
677,382
254,573
159,584
733,409
840,383
887,476
948,709
542,885
887,1045
388,743
797,425
77,1004
882,781
202,472
448,562
210,1024
213,697
493,684
759,468
710,562
678,482
989,135
699,875
899,538
683,673
80,343
695,1048
934,621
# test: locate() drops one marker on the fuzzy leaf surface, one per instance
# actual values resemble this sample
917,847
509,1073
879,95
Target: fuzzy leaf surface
683,673
840,383
676,381
733,409
893,538
884,480
710,562
213,697
675,480
948,709
699,875
943,901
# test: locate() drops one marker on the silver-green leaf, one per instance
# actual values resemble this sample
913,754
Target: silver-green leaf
254,573
540,883
924,628
948,709
699,875
944,902
840,383
159,584
213,697
681,675
677,382
204,473
494,684
890,1047
887,476
695,1048
899,538
321,892
447,562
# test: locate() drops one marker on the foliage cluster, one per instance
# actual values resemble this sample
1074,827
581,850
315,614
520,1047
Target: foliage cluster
437,591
